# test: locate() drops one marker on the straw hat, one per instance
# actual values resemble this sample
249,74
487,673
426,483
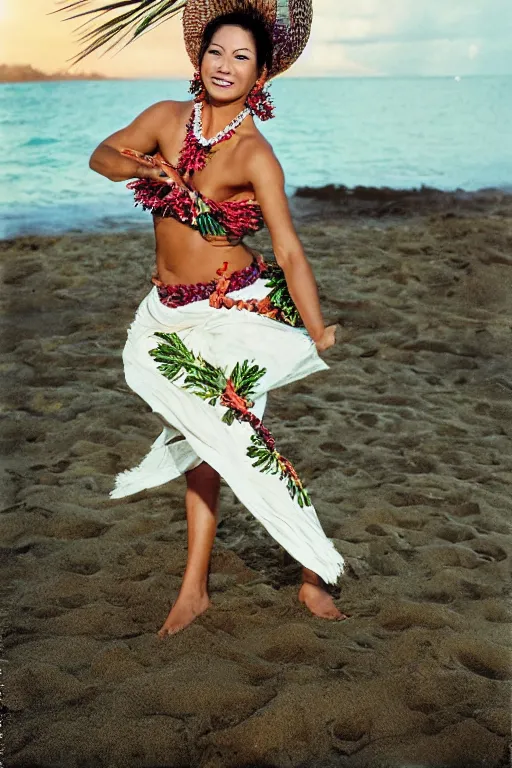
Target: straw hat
288,23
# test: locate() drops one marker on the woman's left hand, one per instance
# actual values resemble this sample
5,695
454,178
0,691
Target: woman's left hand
328,338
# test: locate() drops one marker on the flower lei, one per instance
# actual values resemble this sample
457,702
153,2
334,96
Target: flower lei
196,150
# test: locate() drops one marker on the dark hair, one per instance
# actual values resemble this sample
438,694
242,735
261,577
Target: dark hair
250,20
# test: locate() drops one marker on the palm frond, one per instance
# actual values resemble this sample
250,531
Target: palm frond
125,18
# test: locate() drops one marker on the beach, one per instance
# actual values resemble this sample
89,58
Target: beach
405,445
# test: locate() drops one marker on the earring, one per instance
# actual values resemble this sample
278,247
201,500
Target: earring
197,88
259,100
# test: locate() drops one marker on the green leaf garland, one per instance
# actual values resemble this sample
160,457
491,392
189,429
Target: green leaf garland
280,296
210,382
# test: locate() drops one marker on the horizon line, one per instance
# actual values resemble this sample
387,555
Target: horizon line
97,76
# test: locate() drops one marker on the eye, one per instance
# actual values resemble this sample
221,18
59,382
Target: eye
213,50
241,56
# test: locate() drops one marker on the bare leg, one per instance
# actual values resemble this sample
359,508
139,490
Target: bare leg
316,597
201,503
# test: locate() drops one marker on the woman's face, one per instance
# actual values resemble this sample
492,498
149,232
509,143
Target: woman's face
229,67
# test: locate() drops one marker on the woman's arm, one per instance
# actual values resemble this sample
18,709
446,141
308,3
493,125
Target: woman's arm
267,179
142,135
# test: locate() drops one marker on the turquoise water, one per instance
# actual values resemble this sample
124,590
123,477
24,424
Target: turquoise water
381,132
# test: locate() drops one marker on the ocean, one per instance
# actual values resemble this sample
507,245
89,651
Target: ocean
446,133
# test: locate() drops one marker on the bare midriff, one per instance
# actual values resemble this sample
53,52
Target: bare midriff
175,240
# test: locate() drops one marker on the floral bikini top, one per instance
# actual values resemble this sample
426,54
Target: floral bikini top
220,223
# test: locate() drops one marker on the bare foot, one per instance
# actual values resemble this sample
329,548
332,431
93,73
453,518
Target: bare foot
184,611
319,602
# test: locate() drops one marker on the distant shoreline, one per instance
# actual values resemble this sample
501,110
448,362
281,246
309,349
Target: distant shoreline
24,73
384,201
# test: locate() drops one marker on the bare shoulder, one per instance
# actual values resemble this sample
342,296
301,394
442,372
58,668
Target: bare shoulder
182,108
257,152
169,109
145,131
254,143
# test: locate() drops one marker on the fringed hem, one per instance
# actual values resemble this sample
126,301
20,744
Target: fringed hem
334,569
133,481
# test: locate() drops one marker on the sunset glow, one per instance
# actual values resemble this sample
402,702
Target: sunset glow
4,10
429,37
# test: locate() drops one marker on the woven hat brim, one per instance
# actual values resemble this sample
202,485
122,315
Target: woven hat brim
288,22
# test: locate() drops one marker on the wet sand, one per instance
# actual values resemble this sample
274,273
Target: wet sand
405,446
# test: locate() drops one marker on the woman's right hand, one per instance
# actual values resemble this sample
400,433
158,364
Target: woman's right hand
149,166
144,172
328,338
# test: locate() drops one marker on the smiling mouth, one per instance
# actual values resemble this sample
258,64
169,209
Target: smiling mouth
222,83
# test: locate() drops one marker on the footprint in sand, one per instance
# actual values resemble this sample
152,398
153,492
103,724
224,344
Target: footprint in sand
489,551
485,659
454,532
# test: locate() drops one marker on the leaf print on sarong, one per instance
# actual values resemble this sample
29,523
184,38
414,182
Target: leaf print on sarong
279,297
234,391
269,460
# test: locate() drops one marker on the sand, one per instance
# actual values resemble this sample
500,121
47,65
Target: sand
405,445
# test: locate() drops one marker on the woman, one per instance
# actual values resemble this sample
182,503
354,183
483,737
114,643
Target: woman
220,327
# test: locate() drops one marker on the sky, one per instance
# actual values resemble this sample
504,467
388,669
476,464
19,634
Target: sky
353,38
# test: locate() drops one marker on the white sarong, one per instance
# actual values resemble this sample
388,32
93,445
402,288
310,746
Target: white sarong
194,430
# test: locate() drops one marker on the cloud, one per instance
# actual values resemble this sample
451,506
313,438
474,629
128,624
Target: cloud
400,21
427,37
411,38
318,61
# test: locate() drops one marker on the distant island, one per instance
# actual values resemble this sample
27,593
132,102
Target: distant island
25,73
